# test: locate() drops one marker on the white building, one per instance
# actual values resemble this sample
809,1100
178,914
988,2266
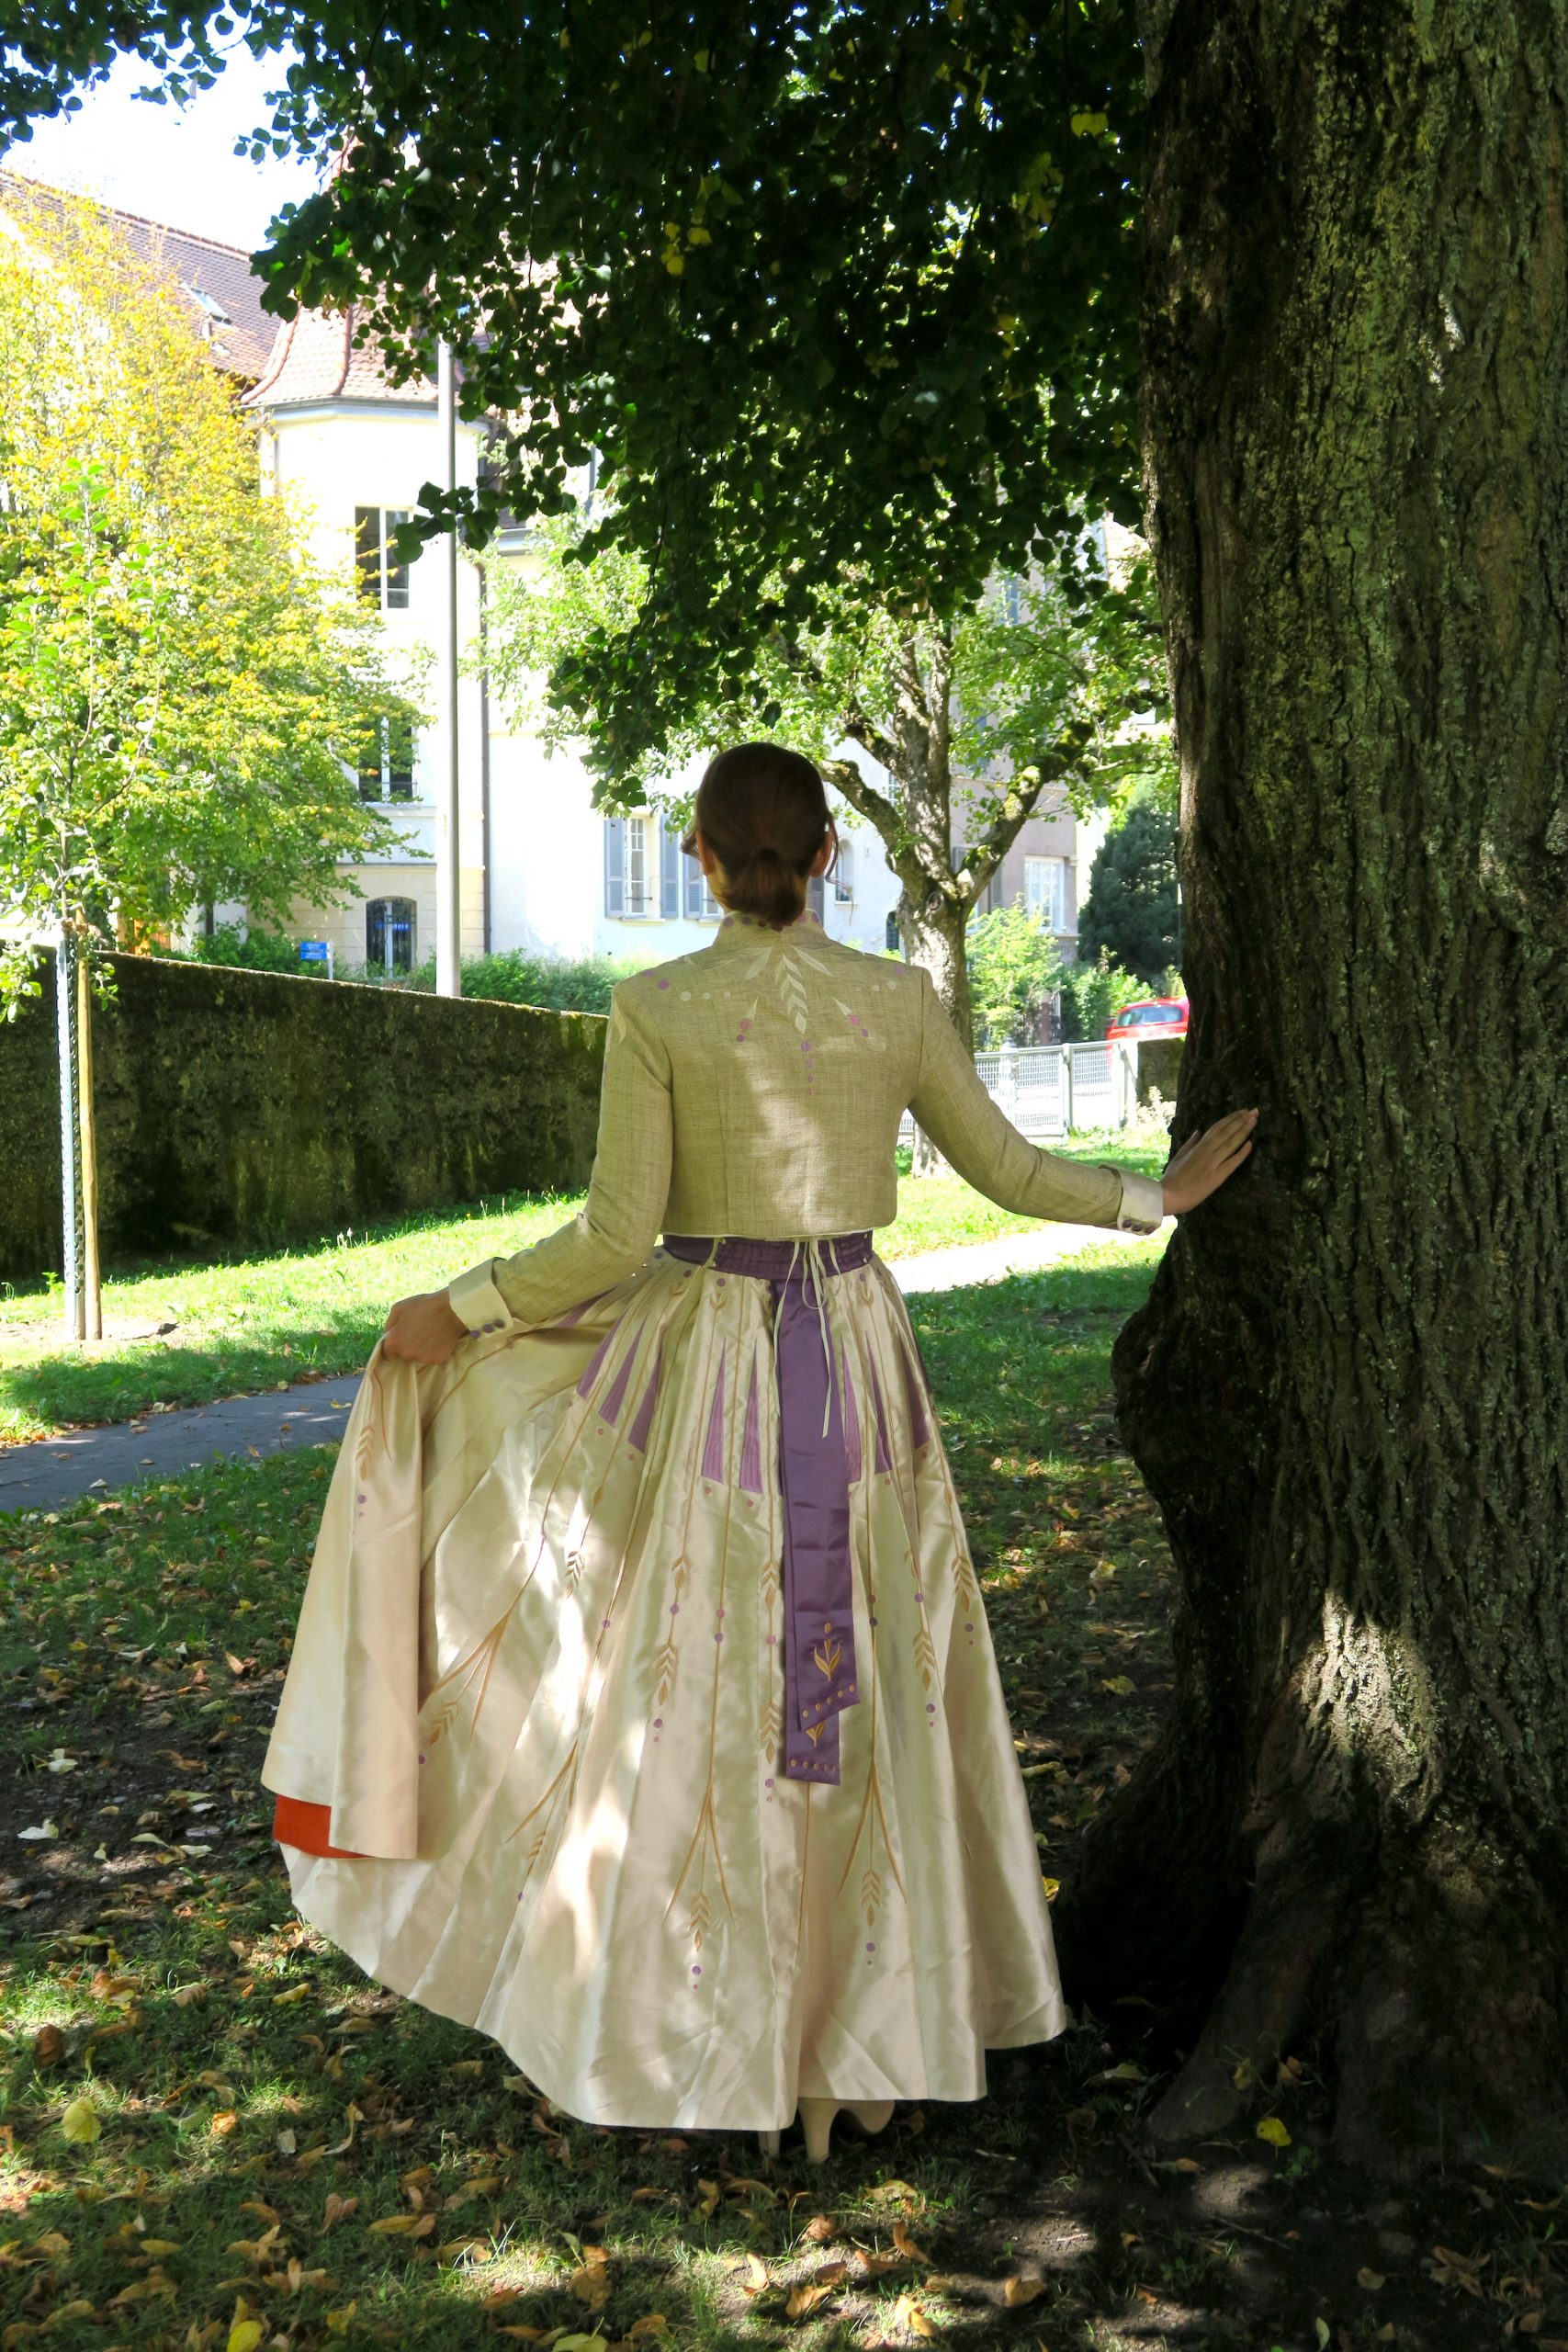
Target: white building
541,869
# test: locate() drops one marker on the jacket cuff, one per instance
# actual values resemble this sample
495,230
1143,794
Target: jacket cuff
476,1300
1143,1204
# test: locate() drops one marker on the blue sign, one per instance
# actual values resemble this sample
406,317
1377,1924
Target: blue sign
315,951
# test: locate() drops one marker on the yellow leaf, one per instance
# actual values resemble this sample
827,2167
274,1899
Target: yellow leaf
247,2334
908,2313
159,2248
404,2225
1371,2279
1025,2289
223,2122
338,2321
707,2204
54,2242
805,2299
1274,2131
907,2247
80,2120
756,2276
887,2191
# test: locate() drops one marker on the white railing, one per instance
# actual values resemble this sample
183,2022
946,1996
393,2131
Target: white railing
1048,1090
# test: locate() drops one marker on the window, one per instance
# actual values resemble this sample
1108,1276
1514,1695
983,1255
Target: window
844,872
637,896
389,936
1045,890
890,935
385,764
383,579
816,895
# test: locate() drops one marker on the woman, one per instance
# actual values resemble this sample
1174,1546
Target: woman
642,1711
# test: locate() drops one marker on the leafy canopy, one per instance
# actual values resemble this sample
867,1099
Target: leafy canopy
917,722
833,291
182,698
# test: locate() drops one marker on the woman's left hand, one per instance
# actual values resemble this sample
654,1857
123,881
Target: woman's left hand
423,1330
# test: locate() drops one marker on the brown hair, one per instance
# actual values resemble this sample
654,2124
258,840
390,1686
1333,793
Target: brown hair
763,813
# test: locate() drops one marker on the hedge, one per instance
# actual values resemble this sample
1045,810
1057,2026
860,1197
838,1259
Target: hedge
241,1110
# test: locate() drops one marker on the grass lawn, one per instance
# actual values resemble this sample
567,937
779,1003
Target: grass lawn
216,2134
182,1334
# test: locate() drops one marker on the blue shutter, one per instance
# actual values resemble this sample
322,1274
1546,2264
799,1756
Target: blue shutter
668,872
693,874
615,866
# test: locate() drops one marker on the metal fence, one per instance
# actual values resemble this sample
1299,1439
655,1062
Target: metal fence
1047,1089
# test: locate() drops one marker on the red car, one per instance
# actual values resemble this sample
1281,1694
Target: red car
1155,1016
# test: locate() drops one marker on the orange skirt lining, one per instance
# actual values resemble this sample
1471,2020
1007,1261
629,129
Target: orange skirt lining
308,1827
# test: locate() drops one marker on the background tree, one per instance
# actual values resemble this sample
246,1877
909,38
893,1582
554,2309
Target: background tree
1131,910
926,729
183,696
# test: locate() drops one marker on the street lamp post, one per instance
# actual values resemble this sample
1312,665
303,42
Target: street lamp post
448,876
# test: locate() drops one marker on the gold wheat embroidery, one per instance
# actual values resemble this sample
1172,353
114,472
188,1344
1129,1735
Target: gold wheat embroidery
826,1658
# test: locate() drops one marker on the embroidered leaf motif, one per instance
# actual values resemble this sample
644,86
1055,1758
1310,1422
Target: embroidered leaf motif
871,1895
770,1728
826,1658
925,1655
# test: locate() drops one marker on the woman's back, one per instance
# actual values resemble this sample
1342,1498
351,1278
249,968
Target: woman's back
755,1089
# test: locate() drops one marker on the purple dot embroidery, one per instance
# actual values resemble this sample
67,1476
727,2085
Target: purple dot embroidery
674,1608
931,1706
969,1629
920,1596
695,1970
603,1625
663,984
871,1947
422,1759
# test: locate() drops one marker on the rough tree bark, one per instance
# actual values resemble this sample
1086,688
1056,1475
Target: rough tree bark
1350,1388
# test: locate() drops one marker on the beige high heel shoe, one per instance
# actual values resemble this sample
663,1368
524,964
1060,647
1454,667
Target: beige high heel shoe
816,2120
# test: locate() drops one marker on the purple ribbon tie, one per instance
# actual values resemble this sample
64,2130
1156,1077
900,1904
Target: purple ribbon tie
820,1677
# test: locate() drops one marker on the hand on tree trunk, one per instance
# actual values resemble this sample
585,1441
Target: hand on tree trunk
1205,1161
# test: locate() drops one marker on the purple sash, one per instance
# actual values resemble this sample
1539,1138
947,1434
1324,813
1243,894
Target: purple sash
818,1604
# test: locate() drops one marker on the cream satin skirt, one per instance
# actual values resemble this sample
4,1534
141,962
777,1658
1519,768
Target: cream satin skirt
538,1680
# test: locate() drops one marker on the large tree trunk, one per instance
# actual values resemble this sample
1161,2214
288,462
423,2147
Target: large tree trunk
933,931
1349,1389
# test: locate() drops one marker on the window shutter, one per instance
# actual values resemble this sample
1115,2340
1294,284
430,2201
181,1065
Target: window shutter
815,896
693,874
668,872
615,866
844,872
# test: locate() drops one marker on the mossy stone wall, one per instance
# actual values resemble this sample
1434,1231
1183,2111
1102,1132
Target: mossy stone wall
245,1108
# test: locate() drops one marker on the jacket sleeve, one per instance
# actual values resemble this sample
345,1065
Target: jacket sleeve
952,1106
613,1233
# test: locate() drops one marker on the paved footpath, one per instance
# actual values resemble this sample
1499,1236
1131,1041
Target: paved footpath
57,1470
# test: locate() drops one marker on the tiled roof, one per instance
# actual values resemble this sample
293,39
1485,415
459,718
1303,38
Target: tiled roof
315,359
217,281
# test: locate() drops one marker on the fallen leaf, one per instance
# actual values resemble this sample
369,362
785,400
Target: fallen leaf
49,2046
247,2334
1272,2130
223,2122
80,2120
756,2276
591,2284
338,2209
403,2225
805,2299
1372,2280
909,2315
46,1829
821,2229
707,2204
876,2265
1026,2288
888,2192
907,2247
55,2242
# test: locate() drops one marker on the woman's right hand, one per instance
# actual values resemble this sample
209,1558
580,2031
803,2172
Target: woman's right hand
1205,1161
